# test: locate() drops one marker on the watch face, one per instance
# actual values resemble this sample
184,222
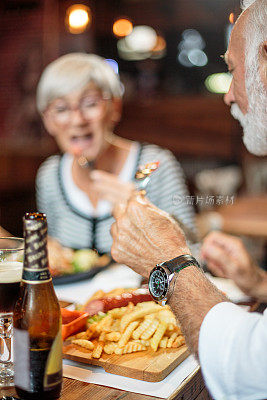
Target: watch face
158,283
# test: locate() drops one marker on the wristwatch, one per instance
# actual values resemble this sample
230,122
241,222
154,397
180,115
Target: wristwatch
162,278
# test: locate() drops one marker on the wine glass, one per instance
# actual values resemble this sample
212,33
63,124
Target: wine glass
11,262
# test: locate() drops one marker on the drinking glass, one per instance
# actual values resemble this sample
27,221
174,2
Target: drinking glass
11,262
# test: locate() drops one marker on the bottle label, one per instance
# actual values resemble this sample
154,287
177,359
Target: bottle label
34,277
37,369
35,261
53,370
22,359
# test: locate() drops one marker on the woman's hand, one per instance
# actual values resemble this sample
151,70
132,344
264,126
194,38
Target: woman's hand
227,257
109,187
144,235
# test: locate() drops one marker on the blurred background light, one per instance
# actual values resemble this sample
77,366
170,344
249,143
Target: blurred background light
229,28
113,63
183,59
190,49
197,57
78,18
218,83
142,39
159,50
232,18
128,54
192,39
122,27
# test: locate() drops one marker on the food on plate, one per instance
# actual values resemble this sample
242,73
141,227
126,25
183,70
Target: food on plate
110,301
144,171
72,322
70,315
63,260
95,309
59,258
84,259
128,329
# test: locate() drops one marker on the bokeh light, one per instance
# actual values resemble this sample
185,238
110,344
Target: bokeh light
160,45
232,18
183,59
78,18
218,83
114,65
141,44
192,39
190,49
122,27
160,49
126,53
197,57
142,39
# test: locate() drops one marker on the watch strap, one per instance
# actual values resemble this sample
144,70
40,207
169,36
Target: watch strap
178,263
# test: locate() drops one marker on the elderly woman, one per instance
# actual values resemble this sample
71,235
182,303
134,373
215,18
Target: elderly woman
79,97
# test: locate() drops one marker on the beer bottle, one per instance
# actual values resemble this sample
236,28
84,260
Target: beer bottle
37,320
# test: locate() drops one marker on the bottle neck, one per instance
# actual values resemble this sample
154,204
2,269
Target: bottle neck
35,267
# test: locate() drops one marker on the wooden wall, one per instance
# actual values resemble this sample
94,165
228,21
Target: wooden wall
190,126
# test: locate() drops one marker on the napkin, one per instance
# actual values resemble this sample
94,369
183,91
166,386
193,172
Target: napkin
164,389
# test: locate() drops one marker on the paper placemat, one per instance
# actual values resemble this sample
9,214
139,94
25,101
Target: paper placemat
97,375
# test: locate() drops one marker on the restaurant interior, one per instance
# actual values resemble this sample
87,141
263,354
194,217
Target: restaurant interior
174,80
169,57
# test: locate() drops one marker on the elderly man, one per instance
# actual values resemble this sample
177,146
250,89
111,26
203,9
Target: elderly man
231,343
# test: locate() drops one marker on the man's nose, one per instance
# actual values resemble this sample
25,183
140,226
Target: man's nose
229,97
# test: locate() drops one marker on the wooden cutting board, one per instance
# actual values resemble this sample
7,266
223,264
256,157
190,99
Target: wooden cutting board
146,365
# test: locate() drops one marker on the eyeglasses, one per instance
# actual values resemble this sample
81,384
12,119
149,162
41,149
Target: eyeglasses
89,107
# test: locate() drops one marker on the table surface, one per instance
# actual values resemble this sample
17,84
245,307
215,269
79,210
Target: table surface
193,388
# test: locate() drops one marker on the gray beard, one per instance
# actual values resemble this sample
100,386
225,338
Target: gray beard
254,126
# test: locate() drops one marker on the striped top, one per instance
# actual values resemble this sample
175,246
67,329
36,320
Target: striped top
72,227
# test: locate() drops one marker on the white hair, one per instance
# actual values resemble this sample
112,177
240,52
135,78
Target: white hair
246,3
254,122
73,72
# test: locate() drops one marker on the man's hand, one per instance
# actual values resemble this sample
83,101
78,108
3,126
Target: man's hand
144,236
227,257
110,188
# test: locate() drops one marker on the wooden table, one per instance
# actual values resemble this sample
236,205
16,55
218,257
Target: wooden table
193,388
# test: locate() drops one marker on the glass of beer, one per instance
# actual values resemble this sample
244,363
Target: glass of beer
11,263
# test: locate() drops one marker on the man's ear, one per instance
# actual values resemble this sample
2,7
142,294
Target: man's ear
263,63
117,110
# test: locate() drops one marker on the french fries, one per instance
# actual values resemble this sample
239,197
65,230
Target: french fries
131,329
143,326
98,350
83,343
137,313
127,333
158,335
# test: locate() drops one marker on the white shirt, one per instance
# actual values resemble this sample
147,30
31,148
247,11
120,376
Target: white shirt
80,199
233,353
